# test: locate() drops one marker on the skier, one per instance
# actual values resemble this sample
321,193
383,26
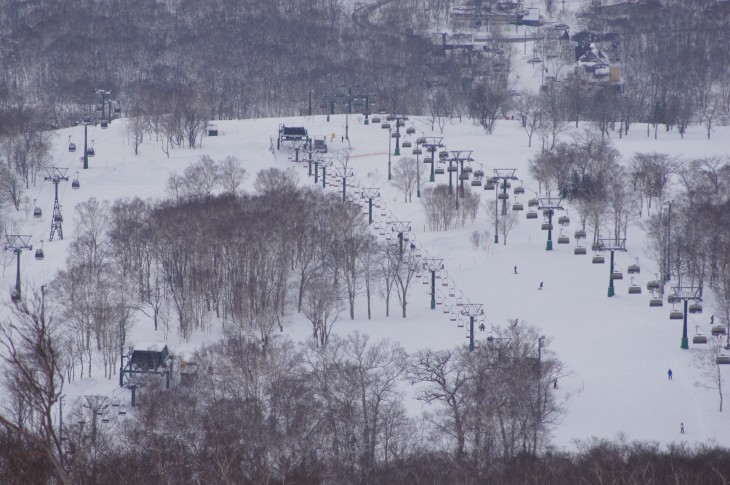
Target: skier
482,327
712,319
555,384
515,269
681,428
669,374
540,286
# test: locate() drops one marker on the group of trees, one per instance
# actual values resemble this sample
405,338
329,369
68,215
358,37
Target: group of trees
245,260
282,412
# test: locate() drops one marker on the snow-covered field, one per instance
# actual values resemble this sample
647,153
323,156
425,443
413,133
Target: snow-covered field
618,349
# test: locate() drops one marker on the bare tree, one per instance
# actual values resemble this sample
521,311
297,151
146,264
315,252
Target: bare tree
32,362
232,175
405,177
323,304
707,361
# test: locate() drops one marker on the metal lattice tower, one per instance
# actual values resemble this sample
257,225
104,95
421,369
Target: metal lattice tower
17,243
612,245
401,227
503,174
370,193
471,310
433,265
400,120
685,294
549,205
56,175
433,143
459,157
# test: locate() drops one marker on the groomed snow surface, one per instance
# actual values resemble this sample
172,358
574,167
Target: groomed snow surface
618,350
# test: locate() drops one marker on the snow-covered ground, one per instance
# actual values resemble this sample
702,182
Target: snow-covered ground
618,349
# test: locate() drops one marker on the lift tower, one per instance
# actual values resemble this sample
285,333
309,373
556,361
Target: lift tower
56,175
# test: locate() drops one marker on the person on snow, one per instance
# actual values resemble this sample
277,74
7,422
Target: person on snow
669,374
540,288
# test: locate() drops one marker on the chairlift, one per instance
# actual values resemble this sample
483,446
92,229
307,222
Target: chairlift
421,141
468,169
71,145
406,144
479,173
655,302
385,126
417,151
532,215
634,289
439,171
598,259
463,176
580,234
443,154
546,226
695,307
673,299
563,239
90,152
453,168
505,185
400,122
39,253
676,315
722,359
410,130
122,410
452,316
37,212
579,251
563,220
104,125
427,160
477,182
533,203
617,275
75,184
719,330
653,285
635,268
489,185
395,134
517,206
699,339
519,190
502,196
57,218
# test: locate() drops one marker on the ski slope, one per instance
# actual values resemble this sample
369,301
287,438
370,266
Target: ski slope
617,349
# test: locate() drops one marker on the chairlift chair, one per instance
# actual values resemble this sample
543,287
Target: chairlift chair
410,130
634,268
634,289
375,119
406,144
598,259
75,184
453,168
395,134
533,203
517,206
722,359
699,339
427,160
653,285
617,275
563,220
580,234
37,212
531,215
695,307
563,239
718,330
385,126
546,226
443,154
676,315
655,302
72,147
438,171
579,251
417,151
502,196
104,125
519,190
477,182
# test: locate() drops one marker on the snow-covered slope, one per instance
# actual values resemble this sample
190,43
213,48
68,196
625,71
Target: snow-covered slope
618,349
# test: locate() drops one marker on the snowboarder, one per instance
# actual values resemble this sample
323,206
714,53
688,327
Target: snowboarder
515,269
540,286
555,384
669,374
712,319
482,327
681,428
